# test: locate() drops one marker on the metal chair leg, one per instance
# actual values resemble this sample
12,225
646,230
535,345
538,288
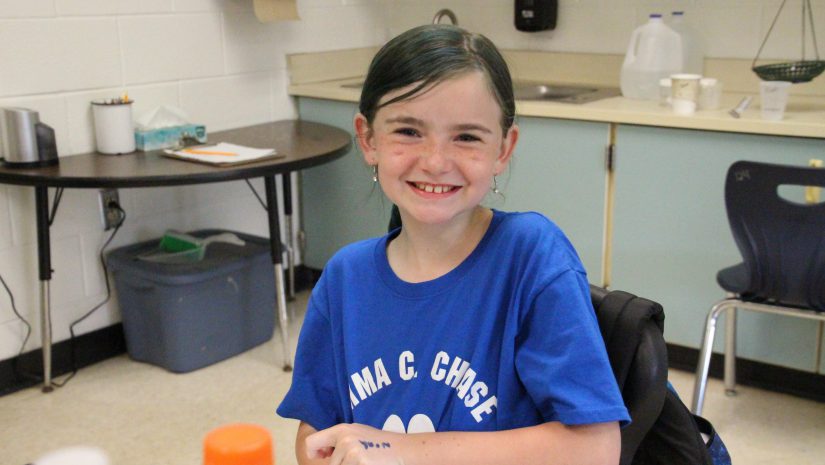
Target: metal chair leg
730,352
700,384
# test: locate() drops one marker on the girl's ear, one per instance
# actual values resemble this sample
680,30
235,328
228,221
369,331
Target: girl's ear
508,144
364,137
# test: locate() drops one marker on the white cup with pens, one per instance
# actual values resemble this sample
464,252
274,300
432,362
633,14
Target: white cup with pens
114,129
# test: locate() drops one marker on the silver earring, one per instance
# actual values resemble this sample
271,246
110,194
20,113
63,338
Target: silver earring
495,187
374,173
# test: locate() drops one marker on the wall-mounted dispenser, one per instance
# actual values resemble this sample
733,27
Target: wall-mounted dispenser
536,15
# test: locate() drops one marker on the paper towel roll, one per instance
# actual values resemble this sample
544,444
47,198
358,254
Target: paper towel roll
276,10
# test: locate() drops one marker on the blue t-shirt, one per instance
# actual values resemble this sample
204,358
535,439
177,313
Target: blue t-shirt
507,339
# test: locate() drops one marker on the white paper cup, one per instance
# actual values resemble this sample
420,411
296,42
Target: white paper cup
684,92
710,94
774,96
665,85
114,131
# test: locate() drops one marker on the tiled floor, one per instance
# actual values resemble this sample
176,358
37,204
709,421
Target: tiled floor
143,415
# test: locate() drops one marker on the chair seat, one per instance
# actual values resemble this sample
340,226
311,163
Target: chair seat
735,279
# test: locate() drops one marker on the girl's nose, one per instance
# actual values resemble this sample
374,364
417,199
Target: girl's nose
436,157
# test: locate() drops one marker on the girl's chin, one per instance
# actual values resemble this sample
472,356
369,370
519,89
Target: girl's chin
434,217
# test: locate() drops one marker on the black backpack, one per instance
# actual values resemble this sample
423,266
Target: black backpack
663,431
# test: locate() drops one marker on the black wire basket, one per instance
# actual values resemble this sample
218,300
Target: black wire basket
797,71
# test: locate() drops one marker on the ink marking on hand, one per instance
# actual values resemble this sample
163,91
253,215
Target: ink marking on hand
371,445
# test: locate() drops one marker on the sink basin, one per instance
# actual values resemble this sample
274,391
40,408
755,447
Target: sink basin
565,93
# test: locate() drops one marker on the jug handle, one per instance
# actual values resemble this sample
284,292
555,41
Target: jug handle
631,47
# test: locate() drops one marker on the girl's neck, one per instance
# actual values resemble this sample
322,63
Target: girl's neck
425,252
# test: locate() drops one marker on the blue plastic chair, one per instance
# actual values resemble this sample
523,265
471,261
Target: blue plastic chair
783,257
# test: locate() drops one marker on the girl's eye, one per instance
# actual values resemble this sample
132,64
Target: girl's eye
468,138
406,132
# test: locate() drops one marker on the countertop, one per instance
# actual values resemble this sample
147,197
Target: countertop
804,117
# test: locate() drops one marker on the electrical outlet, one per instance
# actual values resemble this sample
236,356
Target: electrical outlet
109,215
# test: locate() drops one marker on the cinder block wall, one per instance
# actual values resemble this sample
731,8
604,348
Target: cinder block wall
211,58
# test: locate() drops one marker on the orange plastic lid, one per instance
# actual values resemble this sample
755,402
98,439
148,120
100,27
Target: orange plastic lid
238,444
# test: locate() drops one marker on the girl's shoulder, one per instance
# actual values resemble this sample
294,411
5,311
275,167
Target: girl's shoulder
533,236
355,252
527,226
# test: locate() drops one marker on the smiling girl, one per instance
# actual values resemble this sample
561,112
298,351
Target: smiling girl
468,329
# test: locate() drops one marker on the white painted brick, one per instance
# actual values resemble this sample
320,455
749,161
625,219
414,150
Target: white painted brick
229,102
67,280
731,31
52,111
496,23
12,333
171,47
21,209
5,221
250,45
41,56
283,106
19,270
234,6
334,28
614,26
149,97
26,9
93,277
111,7
77,214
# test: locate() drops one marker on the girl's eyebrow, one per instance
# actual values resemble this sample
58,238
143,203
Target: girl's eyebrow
405,120
419,123
472,127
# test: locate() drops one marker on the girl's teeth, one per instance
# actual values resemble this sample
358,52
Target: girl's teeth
434,189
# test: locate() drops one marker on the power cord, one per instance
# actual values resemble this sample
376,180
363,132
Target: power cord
16,360
18,372
58,195
101,256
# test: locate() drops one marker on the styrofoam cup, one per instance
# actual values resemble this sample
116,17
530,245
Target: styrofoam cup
774,95
684,93
710,94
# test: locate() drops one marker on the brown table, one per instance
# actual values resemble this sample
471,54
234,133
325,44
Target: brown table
304,144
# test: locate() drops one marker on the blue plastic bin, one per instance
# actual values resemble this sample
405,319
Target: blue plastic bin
184,316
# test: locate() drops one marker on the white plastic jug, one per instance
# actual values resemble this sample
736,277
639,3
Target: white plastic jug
654,52
693,47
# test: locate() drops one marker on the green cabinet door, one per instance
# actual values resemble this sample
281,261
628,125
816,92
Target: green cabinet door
558,170
671,234
340,204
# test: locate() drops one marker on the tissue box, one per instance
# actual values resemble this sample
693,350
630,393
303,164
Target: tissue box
162,138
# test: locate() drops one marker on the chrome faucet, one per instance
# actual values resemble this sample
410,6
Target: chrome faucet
445,12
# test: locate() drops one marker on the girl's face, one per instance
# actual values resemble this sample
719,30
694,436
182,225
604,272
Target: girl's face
437,152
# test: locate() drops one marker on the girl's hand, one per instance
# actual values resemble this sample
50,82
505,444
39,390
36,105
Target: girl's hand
355,444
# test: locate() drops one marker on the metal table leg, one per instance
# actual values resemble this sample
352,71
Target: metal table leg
276,252
41,200
286,180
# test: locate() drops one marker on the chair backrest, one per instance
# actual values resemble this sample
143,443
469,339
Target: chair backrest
782,242
632,331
